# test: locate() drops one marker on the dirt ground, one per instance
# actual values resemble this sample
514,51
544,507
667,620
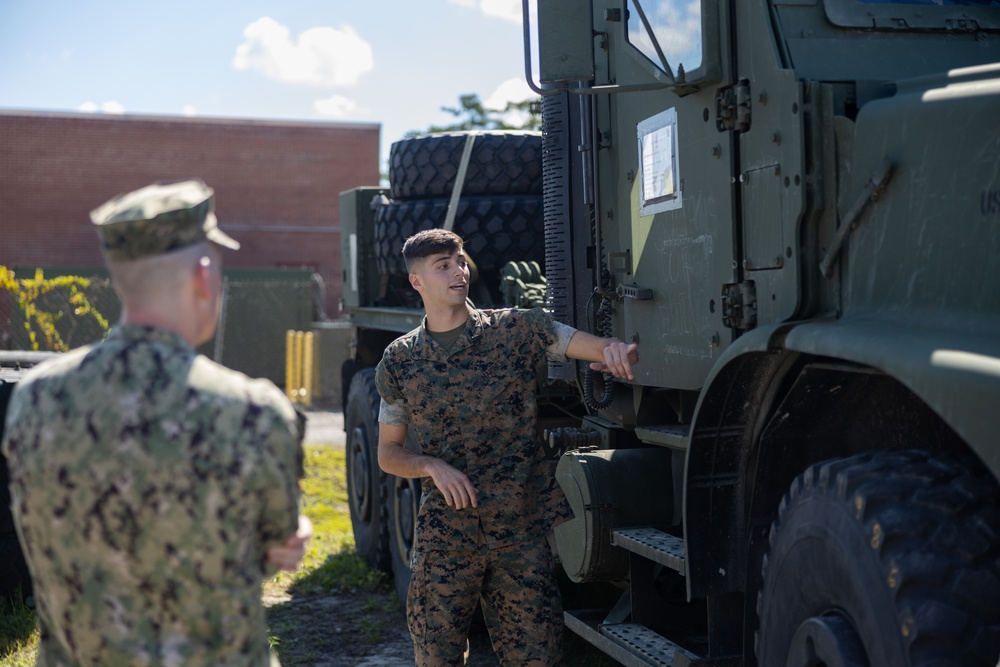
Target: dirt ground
351,630
339,630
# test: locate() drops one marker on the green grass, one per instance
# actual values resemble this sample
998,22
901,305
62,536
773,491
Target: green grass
18,633
330,564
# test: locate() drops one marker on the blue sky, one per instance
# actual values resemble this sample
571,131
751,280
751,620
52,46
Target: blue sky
392,62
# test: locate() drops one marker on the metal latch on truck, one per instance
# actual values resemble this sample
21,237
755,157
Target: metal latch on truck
739,305
732,107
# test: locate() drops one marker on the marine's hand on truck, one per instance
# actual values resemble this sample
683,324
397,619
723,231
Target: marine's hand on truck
618,359
608,355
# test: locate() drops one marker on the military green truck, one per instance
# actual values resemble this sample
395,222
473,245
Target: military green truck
14,577
793,206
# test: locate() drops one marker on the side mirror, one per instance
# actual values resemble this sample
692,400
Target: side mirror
565,41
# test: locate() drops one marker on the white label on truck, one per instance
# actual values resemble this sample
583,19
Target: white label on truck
658,168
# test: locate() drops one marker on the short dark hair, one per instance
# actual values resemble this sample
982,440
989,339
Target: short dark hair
429,242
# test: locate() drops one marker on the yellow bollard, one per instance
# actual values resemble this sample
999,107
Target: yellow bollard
308,368
299,354
301,366
316,389
290,364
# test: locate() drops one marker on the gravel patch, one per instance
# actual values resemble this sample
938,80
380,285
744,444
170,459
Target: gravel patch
325,427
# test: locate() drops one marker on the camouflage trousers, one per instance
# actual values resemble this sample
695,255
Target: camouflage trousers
520,598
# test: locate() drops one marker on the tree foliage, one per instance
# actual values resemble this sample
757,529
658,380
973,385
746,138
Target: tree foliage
472,114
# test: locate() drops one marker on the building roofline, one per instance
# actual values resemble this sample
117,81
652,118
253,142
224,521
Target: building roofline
207,120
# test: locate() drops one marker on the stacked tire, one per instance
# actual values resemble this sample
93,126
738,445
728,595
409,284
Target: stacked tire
499,214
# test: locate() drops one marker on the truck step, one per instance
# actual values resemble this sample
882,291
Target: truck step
631,644
653,544
674,436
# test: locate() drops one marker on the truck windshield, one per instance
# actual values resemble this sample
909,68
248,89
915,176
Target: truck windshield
676,29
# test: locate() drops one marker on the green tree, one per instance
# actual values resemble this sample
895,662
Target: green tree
472,114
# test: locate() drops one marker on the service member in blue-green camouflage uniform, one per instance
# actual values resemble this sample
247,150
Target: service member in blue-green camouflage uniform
465,382
153,489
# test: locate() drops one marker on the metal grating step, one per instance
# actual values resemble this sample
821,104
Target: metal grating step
653,544
630,644
643,642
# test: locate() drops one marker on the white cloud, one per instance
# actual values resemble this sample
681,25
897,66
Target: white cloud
111,106
189,110
508,10
338,106
678,31
319,57
511,90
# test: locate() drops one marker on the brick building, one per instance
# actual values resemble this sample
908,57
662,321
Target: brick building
277,183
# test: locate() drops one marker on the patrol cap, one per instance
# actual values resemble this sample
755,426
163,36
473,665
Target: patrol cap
158,219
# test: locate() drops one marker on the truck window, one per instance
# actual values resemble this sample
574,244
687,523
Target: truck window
676,29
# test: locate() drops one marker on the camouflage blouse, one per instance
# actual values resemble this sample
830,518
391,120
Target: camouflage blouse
475,409
147,483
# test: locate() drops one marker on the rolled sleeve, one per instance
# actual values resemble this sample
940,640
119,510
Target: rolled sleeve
393,413
557,351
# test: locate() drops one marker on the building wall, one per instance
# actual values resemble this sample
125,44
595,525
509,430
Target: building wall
277,183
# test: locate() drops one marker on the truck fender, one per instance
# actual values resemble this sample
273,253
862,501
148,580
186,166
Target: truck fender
956,374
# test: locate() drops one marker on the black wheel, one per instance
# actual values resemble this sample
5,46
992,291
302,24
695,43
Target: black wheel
404,500
366,483
885,559
496,229
347,371
501,162
14,573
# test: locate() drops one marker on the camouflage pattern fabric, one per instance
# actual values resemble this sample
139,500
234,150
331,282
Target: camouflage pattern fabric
158,219
521,604
475,409
147,483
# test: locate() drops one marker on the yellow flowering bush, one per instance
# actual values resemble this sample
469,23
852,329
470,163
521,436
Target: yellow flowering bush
28,294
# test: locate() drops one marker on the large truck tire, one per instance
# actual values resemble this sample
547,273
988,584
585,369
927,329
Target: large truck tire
14,575
366,483
501,162
496,229
404,502
886,558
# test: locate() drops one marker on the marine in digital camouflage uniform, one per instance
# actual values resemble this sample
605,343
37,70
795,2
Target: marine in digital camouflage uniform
152,487
465,382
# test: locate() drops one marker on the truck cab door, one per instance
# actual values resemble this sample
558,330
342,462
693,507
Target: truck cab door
665,183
